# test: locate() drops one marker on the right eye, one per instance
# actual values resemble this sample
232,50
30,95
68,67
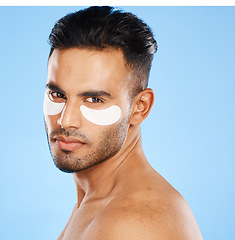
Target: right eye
56,96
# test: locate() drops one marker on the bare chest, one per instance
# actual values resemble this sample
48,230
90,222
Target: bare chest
80,222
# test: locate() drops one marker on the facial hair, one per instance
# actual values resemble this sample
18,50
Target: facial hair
109,144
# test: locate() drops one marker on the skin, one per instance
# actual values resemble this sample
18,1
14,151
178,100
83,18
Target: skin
119,195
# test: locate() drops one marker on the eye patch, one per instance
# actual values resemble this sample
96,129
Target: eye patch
51,108
102,117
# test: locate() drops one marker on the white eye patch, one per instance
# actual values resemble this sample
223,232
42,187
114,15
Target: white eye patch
51,108
102,117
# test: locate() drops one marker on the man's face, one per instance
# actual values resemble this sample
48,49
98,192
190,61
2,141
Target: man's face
97,81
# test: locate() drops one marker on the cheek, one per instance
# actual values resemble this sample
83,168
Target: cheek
51,122
103,117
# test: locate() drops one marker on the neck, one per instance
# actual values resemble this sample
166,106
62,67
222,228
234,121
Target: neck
98,182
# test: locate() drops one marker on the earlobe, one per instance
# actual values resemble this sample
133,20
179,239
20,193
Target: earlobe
141,106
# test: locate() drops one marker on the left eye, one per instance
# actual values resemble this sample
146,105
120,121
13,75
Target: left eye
94,100
56,96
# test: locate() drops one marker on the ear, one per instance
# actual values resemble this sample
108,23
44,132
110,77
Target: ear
141,106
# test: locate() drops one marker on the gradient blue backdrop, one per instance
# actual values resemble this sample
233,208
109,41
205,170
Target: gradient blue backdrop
188,137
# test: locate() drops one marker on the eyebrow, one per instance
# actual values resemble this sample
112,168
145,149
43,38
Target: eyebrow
96,93
92,93
54,87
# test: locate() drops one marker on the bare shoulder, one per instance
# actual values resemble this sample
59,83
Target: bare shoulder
147,215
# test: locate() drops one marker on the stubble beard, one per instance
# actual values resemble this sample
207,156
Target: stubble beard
110,143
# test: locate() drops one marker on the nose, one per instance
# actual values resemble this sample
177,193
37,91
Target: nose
70,116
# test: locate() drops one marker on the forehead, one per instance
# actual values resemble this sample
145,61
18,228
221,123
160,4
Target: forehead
82,69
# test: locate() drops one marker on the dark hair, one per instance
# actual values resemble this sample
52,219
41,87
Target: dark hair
102,27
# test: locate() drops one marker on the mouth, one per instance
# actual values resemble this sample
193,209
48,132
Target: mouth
68,144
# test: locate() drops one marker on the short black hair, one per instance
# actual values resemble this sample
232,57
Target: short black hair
100,28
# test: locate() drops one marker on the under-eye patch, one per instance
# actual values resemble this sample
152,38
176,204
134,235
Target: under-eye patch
52,108
102,117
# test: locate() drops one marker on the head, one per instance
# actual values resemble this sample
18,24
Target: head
101,28
98,71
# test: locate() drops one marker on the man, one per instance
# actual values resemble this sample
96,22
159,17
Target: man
96,98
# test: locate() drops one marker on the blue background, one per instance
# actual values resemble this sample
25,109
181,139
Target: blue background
188,137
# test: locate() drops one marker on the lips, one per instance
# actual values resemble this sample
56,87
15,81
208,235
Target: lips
68,144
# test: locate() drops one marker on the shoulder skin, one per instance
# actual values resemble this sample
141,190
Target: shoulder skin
145,215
